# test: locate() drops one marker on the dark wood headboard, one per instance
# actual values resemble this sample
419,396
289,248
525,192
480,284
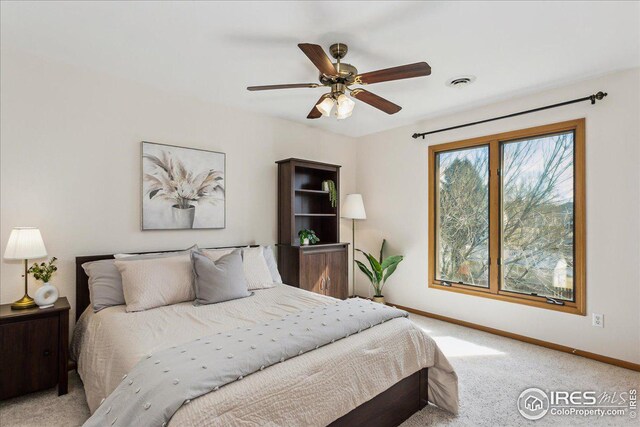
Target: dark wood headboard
82,280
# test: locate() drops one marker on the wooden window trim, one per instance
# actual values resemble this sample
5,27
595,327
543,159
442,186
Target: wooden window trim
494,142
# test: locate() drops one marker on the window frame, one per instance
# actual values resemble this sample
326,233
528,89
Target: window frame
495,141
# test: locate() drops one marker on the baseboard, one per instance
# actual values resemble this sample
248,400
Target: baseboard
535,341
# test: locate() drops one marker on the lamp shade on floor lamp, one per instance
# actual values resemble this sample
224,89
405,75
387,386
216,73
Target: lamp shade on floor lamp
353,209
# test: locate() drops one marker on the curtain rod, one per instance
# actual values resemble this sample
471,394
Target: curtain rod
593,98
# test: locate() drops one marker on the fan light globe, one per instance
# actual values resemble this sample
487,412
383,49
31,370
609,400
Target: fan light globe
342,116
345,107
325,106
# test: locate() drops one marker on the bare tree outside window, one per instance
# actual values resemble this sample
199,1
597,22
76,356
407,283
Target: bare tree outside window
537,216
507,216
463,216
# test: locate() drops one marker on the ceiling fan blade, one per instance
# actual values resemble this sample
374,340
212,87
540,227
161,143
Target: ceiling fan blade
418,69
375,101
315,113
320,59
289,86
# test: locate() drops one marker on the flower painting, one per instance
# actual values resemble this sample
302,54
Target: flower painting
182,188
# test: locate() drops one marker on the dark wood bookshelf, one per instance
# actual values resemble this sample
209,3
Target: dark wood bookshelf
303,204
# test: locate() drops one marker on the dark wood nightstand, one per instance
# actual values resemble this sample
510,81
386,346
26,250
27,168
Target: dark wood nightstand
34,349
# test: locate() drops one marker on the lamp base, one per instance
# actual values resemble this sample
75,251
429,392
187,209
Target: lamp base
23,303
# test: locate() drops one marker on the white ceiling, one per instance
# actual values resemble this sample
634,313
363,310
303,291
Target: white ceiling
214,50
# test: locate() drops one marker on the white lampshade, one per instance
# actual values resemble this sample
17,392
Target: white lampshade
25,243
353,207
325,106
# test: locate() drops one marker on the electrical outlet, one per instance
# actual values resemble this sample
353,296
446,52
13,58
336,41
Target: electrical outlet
598,320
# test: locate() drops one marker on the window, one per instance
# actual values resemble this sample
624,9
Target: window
506,217
462,215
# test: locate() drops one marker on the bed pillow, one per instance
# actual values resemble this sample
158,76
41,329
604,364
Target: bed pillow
216,254
105,284
155,254
218,281
256,271
272,264
156,282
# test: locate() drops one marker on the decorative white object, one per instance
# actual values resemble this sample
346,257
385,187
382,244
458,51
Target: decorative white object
46,296
353,208
25,243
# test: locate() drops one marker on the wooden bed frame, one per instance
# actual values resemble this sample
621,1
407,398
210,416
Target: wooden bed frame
390,408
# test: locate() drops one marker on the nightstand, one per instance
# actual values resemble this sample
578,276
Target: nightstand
34,349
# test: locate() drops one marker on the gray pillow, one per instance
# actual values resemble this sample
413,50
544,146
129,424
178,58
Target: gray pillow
105,284
218,281
272,264
105,280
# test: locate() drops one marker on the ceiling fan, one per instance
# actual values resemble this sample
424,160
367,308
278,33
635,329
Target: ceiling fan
340,76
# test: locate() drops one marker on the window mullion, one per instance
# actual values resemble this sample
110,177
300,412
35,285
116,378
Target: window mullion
494,216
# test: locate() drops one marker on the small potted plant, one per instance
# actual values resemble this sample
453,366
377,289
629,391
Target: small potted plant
47,294
330,187
381,269
308,237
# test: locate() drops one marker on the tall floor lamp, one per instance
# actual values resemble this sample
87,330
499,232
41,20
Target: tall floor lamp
353,208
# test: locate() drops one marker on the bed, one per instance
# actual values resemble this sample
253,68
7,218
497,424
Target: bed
378,377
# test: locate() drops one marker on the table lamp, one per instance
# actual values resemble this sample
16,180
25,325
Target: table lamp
353,208
25,243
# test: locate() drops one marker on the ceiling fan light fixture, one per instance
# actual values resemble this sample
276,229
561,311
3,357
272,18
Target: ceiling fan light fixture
345,106
343,115
339,76
326,106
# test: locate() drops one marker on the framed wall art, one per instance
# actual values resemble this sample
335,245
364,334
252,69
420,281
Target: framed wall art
182,188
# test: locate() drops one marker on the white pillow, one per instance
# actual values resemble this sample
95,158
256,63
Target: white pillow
272,264
256,271
150,283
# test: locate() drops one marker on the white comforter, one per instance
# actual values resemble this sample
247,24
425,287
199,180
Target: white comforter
313,389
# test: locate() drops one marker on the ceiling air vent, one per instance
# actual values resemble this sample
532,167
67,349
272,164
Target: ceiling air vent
460,82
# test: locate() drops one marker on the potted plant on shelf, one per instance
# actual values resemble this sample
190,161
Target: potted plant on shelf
47,294
330,187
381,269
308,237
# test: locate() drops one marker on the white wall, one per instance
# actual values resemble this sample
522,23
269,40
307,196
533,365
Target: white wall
392,176
69,157
70,163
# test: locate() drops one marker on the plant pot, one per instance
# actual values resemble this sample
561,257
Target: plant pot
325,186
378,299
305,242
183,217
46,296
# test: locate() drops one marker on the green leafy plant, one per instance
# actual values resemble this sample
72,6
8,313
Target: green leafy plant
308,234
43,271
333,192
381,268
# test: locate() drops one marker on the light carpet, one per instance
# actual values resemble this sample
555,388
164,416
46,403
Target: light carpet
492,371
